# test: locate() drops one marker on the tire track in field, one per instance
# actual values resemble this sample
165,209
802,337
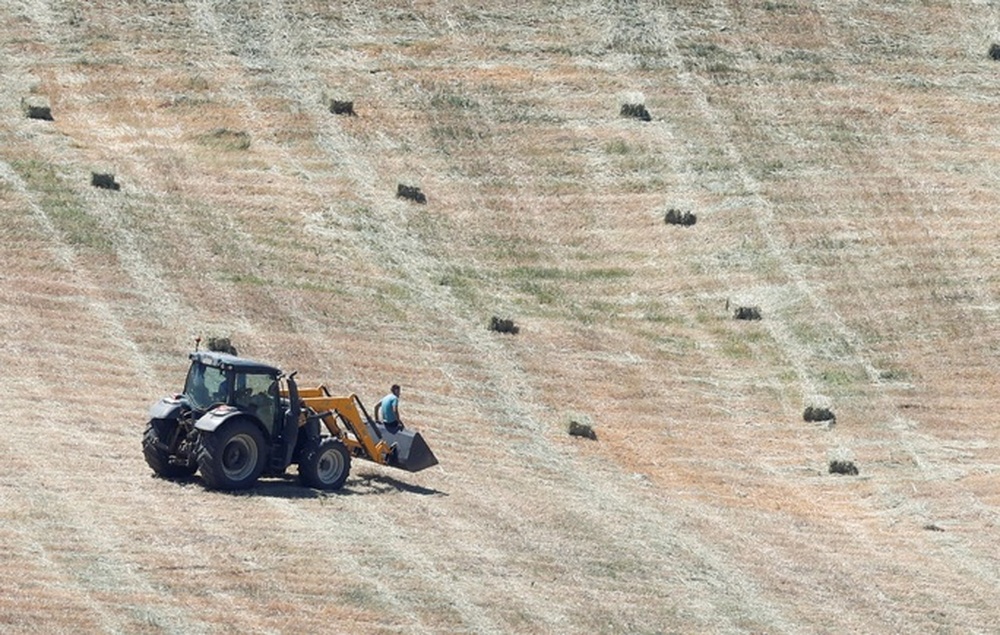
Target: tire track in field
102,576
135,260
742,588
144,276
512,393
261,52
930,452
65,256
762,211
98,532
639,25
866,547
87,546
413,265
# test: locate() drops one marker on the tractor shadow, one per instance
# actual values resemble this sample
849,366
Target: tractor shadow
373,483
286,486
289,487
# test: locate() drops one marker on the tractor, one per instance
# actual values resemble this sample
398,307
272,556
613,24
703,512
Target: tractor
238,419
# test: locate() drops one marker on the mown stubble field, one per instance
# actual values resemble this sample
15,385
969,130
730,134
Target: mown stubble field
839,158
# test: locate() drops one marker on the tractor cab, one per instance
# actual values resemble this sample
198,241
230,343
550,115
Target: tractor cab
218,379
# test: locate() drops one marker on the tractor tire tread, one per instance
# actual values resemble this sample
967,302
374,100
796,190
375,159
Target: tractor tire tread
311,472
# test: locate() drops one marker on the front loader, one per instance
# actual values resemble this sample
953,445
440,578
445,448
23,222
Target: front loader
238,419
347,420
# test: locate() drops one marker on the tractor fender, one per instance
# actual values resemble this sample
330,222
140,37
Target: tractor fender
214,418
166,408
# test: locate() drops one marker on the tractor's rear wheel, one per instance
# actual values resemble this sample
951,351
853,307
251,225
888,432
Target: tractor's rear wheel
325,465
156,448
232,457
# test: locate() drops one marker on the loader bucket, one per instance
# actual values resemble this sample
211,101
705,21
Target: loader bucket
412,453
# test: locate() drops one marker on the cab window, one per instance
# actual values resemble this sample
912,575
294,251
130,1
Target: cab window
257,394
206,385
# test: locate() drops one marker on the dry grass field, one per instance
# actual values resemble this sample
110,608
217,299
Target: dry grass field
841,161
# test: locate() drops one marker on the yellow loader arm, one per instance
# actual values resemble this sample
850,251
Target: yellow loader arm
347,419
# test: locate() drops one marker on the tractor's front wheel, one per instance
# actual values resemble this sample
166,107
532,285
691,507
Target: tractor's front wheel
156,444
325,465
232,457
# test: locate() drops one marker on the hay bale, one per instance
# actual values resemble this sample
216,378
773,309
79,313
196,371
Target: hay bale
342,108
501,325
994,51
636,111
580,429
841,466
677,217
747,313
815,414
36,108
104,181
410,193
221,345
42,113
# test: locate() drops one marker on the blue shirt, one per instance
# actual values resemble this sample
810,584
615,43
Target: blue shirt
389,405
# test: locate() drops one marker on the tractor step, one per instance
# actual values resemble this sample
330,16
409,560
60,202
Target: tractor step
277,462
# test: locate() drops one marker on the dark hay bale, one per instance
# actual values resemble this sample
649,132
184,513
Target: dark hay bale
221,345
818,414
104,181
43,113
411,193
995,51
501,325
636,111
843,467
342,108
577,429
747,313
677,217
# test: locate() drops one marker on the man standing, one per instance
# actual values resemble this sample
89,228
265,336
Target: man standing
388,410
